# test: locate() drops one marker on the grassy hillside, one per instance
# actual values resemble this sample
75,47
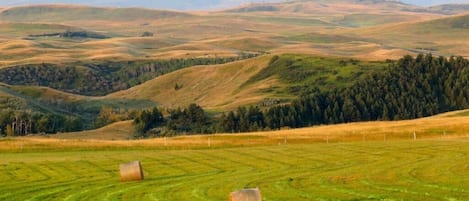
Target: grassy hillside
213,87
17,99
123,130
319,27
365,20
72,103
302,73
322,6
444,36
16,30
61,13
46,101
231,85
450,8
263,81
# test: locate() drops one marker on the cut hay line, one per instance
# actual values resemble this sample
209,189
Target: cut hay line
338,171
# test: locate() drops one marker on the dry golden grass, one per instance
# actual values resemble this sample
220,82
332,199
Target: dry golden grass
444,126
337,8
117,131
213,87
225,34
437,35
43,93
248,43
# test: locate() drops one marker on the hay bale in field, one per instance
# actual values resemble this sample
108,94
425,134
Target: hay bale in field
131,171
253,194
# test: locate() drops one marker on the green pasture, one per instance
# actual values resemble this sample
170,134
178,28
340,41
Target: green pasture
400,170
303,73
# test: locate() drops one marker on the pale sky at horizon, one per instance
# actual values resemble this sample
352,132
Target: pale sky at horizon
187,4
434,2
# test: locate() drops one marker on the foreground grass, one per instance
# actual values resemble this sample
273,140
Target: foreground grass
399,170
359,161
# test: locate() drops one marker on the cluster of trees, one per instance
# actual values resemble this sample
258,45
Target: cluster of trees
100,78
147,120
192,119
20,123
73,34
108,115
409,88
147,34
243,120
25,121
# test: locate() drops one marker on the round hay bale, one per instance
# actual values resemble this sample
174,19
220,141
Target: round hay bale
131,171
253,194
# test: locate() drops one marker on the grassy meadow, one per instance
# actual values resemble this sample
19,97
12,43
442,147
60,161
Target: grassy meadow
398,170
359,161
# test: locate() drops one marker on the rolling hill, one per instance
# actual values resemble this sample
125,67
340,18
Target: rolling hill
444,36
335,28
69,13
213,87
79,85
335,32
250,82
43,100
450,9
314,7
328,7
174,4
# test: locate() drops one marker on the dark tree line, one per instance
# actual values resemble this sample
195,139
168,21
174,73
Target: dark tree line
243,120
72,34
20,123
147,120
410,88
100,78
192,119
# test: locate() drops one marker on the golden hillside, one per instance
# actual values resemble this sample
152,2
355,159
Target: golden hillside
213,87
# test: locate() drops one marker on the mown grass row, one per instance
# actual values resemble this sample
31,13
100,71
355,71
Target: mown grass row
399,170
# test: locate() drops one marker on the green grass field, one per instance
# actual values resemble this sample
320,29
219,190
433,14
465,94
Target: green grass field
399,170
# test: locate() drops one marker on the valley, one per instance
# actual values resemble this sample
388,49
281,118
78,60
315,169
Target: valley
79,64
305,99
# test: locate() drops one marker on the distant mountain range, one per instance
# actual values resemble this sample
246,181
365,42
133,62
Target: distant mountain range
160,4
185,4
